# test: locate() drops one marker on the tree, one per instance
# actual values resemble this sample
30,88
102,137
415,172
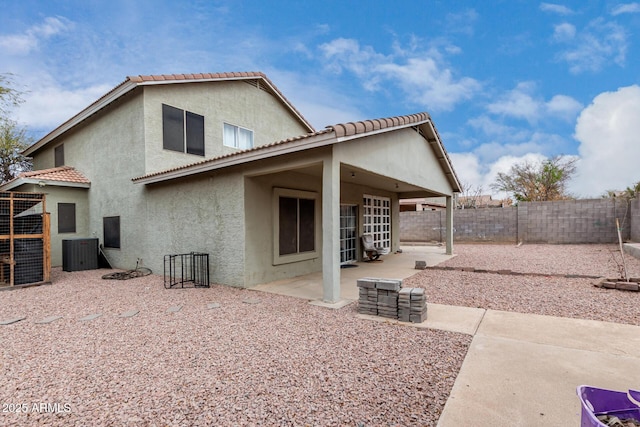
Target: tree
533,182
470,196
13,138
13,141
9,97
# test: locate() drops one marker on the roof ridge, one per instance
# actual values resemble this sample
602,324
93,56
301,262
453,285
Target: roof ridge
362,126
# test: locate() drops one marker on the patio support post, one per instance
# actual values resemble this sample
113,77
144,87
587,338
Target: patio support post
449,228
331,230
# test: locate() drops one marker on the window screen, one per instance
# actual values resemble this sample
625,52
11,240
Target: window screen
66,217
288,225
111,225
172,128
59,156
195,134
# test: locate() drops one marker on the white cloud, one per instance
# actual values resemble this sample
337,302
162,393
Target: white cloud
555,8
48,104
594,47
24,43
564,32
523,103
518,103
609,148
423,77
564,107
626,8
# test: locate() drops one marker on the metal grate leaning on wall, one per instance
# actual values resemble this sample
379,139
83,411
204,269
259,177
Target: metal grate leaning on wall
186,270
25,256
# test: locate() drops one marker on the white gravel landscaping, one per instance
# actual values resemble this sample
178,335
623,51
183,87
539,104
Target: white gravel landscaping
220,360
281,361
546,295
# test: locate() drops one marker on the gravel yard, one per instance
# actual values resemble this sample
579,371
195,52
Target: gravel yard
281,361
555,296
278,362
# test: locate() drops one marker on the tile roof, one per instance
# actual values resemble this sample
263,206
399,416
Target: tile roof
354,128
62,173
340,131
132,82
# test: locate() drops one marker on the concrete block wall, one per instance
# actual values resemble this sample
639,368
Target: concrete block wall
485,225
634,220
574,221
567,221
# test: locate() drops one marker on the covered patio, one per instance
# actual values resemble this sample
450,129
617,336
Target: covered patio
392,266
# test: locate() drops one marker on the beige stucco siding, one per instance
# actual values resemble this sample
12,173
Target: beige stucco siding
109,152
234,102
202,214
402,155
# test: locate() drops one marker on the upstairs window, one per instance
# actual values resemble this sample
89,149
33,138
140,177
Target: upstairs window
58,154
237,137
182,131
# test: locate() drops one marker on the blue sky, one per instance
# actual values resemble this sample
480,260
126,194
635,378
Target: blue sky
504,81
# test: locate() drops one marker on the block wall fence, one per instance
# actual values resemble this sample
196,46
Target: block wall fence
566,221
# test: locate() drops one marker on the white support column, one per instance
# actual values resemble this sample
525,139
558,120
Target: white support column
331,230
449,230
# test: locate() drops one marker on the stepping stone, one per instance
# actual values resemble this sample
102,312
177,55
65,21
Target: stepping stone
129,313
10,321
174,309
48,319
90,317
213,305
251,301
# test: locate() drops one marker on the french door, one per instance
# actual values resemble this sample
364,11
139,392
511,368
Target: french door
348,233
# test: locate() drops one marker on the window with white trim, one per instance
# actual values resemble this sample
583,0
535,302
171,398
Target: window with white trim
237,137
296,225
377,220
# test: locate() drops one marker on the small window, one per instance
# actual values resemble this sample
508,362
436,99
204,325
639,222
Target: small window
180,126
59,155
237,137
111,226
296,225
66,217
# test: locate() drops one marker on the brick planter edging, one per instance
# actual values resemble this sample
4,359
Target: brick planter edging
632,285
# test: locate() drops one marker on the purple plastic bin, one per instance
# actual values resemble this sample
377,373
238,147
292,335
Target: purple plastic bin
598,401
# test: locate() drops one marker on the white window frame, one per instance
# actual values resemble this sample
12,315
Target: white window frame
301,256
236,136
377,220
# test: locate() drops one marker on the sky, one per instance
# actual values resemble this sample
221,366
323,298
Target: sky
504,81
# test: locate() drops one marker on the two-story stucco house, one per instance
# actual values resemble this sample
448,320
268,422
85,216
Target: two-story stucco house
224,164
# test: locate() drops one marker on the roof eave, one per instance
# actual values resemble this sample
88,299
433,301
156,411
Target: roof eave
317,141
42,183
101,103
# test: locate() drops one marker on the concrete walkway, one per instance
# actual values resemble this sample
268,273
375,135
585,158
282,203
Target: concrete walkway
521,369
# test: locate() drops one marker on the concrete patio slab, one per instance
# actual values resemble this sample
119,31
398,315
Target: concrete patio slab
12,320
463,320
334,305
393,266
523,369
49,319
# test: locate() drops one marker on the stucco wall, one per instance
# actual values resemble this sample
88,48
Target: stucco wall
234,102
403,155
110,152
204,214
